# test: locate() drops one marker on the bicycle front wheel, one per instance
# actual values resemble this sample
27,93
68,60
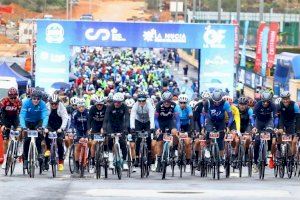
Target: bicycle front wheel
53,160
72,163
9,157
31,161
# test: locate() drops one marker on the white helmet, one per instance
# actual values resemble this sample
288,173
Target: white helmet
81,102
183,98
118,97
206,95
54,98
74,100
129,102
99,100
193,103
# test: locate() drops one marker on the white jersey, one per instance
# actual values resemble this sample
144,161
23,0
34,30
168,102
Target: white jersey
143,114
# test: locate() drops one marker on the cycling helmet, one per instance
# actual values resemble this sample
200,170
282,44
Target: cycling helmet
36,94
118,97
205,95
142,96
217,96
228,98
266,96
167,96
278,100
81,103
29,91
110,97
54,98
243,100
45,96
183,98
73,101
99,100
129,102
12,92
285,94
193,103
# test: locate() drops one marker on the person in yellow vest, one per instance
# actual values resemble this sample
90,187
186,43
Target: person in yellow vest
236,125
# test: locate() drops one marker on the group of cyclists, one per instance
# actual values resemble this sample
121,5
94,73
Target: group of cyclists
142,98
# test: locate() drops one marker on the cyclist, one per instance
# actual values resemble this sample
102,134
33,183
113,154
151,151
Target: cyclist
116,120
185,114
142,119
166,112
34,114
58,119
246,115
236,124
265,113
9,114
80,124
213,118
95,122
289,119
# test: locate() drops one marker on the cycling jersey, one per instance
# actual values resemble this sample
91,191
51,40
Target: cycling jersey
236,118
185,114
32,114
289,117
264,114
116,119
9,111
216,113
247,119
58,118
197,111
142,114
167,114
96,118
79,122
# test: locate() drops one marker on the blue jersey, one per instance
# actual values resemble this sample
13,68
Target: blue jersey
32,113
184,115
217,113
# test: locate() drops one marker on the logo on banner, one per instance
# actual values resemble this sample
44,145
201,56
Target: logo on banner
214,38
154,36
217,61
104,34
55,33
55,58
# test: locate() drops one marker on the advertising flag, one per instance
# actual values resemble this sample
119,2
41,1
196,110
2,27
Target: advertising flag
272,43
243,56
257,65
264,46
236,41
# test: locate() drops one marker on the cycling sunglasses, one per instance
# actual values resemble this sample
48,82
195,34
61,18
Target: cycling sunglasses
36,99
12,97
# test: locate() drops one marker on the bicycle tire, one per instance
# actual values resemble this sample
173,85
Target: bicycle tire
165,160
105,168
53,160
172,162
81,167
9,157
250,160
142,160
15,153
240,160
98,160
217,158
31,161
282,169
129,162
227,161
72,163
118,161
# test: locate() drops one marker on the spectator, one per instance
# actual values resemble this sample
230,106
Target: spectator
185,70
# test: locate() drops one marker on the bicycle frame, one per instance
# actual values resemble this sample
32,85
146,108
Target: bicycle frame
12,152
118,158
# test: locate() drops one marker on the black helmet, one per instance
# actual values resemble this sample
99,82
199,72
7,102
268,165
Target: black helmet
243,100
285,94
266,96
217,96
36,94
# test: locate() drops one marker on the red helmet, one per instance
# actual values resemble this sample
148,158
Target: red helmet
12,92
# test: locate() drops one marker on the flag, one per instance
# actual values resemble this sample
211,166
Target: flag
264,46
243,56
257,65
272,43
6,9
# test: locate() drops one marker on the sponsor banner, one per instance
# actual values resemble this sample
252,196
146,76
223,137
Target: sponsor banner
6,9
55,37
257,64
243,55
264,51
272,43
236,41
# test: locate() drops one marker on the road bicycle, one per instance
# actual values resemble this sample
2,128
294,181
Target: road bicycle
215,160
228,153
262,158
101,157
53,152
167,154
144,158
181,152
117,154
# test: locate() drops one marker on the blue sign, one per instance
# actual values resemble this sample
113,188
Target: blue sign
55,39
243,56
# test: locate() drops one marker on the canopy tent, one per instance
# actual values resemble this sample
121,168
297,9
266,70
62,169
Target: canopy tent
5,70
20,71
